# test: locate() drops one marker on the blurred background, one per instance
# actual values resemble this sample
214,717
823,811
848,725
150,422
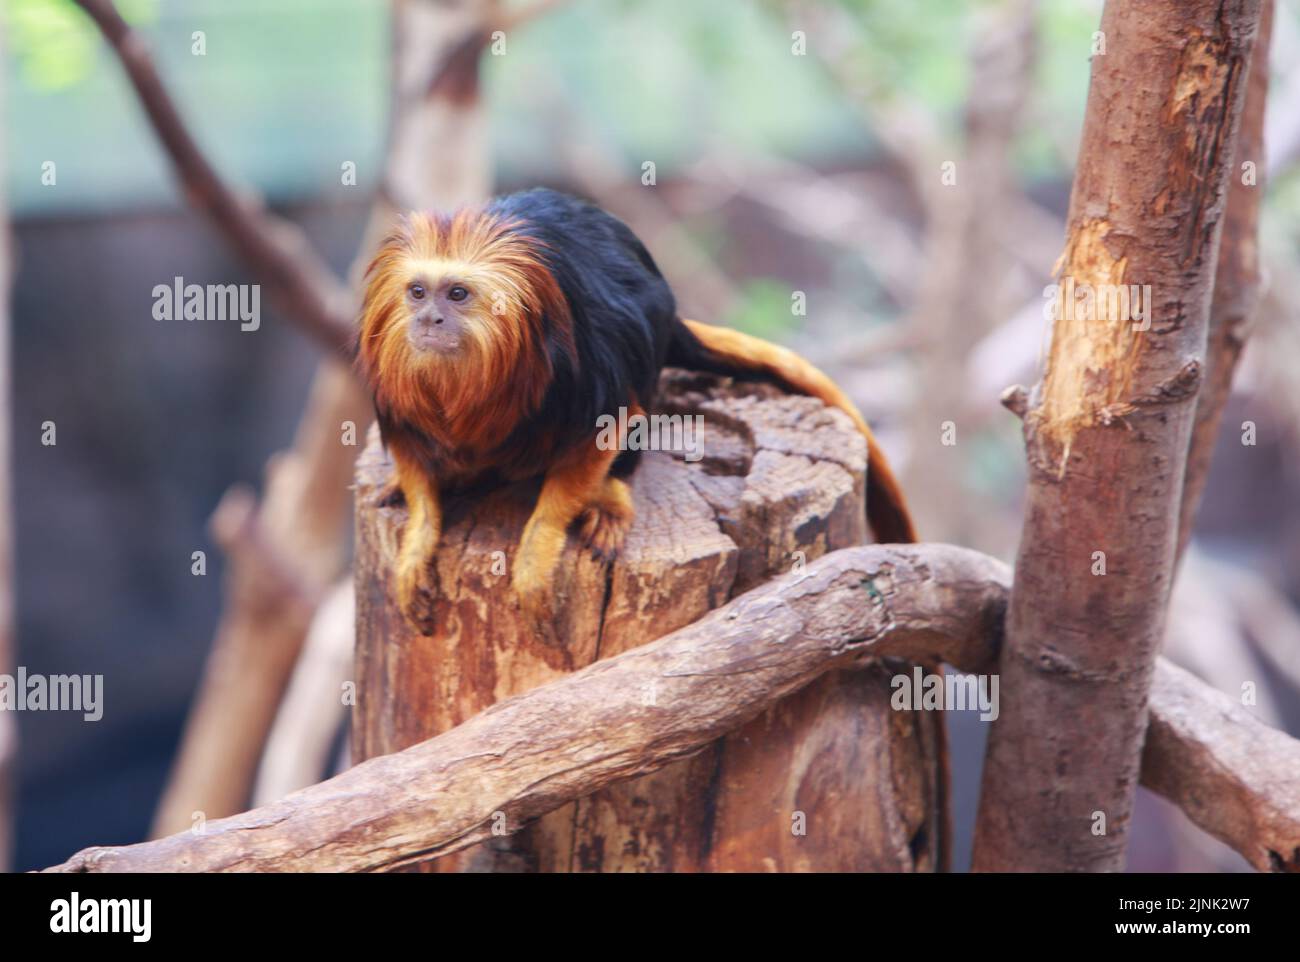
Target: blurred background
776,170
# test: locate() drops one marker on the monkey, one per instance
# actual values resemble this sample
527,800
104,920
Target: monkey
494,338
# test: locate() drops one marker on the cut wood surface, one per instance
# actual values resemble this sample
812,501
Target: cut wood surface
781,482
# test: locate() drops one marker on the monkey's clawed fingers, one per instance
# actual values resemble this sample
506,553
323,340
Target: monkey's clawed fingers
603,532
417,589
604,525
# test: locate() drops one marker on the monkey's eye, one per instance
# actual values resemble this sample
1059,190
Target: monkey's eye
457,293
417,291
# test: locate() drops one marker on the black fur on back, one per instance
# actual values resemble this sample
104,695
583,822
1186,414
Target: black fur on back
622,312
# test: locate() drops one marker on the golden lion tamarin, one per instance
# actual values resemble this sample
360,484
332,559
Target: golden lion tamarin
494,339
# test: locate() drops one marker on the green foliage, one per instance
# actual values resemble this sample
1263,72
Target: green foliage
764,310
283,95
55,44
290,89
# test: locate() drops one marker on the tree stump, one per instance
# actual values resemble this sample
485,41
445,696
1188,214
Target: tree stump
830,780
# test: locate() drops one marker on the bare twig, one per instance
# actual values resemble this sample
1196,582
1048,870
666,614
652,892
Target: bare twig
296,278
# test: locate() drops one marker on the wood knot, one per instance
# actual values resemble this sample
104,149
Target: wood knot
1179,386
1016,400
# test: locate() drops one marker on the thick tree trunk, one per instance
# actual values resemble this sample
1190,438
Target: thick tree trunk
781,483
1107,437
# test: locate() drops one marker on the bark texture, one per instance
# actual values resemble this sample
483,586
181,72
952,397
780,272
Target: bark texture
781,482
1234,777
1107,434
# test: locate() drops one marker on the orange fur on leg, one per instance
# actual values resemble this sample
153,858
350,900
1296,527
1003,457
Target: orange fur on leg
416,577
569,489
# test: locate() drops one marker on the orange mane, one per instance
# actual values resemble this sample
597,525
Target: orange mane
473,400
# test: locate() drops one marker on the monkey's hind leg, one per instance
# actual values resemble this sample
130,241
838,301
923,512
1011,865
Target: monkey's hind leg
417,581
571,486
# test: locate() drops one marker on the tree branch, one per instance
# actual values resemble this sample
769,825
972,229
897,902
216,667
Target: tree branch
564,740
297,280
537,751
1236,778
1107,435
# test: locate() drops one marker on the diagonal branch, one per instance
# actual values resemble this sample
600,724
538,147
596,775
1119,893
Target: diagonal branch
296,278
532,753
1236,778
535,752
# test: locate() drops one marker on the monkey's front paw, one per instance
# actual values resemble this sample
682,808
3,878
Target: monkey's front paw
604,525
417,588
603,531
536,597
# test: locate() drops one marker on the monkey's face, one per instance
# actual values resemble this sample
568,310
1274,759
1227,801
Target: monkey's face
455,317
441,312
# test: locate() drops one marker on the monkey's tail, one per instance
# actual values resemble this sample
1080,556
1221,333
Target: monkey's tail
721,350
